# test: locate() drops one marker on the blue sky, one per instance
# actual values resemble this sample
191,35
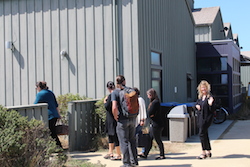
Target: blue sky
236,12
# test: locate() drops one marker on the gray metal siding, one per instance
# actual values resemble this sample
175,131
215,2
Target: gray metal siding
202,34
89,31
128,41
217,26
39,31
166,26
245,76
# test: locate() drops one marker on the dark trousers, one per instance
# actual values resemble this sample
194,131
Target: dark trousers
203,133
113,139
126,134
52,127
155,133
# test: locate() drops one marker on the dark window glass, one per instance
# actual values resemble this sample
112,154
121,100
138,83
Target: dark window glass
189,94
214,78
156,71
220,90
212,64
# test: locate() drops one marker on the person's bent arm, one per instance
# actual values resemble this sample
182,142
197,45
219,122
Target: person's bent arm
115,110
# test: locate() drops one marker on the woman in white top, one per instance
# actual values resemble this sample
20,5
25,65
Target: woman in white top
141,117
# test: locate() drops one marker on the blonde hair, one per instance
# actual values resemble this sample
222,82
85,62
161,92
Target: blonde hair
207,85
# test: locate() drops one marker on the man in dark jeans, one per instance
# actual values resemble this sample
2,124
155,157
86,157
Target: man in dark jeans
125,127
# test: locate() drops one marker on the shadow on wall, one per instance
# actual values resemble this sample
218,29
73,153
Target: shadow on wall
19,58
71,65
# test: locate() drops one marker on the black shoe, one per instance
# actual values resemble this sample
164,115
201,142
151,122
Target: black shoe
142,156
202,156
159,158
209,155
134,165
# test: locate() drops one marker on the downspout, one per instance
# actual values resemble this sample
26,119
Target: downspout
118,42
115,48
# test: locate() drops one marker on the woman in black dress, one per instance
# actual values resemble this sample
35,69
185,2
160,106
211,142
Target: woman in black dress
111,126
205,109
156,124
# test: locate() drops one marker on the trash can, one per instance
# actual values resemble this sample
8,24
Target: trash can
192,120
166,108
178,123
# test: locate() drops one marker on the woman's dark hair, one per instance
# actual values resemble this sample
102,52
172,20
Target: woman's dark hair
137,91
110,85
153,94
120,79
42,85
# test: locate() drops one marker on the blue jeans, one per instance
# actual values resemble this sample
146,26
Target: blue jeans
126,133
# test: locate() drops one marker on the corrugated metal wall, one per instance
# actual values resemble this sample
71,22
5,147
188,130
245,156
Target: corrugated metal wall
89,31
245,76
166,26
40,30
203,33
217,27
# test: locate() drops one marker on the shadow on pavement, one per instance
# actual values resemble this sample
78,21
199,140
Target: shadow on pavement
79,156
233,156
183,165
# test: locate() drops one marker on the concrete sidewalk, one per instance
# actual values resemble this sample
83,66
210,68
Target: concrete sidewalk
230,143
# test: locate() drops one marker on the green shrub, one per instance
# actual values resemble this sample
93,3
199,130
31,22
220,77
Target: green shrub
26,143
100,109
63,101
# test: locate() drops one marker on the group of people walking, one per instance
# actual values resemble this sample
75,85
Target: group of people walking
122,129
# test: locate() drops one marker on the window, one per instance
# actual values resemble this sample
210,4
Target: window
156,73
212,64
155,58
214,78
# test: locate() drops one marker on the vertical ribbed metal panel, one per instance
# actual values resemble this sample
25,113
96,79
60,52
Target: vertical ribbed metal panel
166,26
86,30
202,34
245,75
217,27
128,41
41,29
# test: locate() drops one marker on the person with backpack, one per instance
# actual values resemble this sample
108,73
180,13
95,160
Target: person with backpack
125,109
156,124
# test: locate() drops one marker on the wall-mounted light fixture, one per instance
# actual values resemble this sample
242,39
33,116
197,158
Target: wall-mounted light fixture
63,54
9,45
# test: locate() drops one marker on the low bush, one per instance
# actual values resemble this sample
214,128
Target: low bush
100,109
26,143
63,101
